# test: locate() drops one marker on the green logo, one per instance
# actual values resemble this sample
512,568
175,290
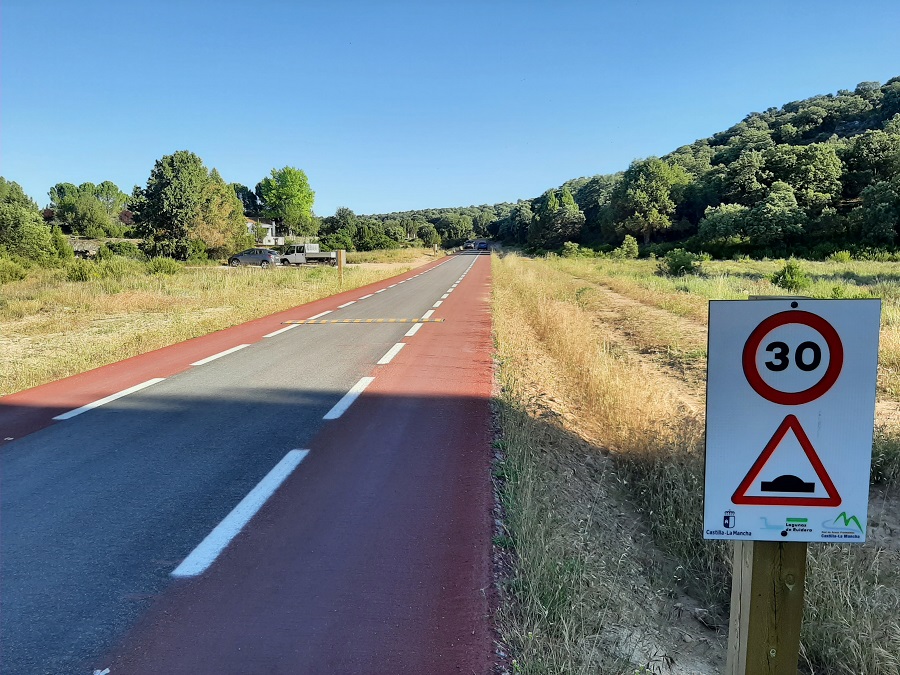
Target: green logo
844,522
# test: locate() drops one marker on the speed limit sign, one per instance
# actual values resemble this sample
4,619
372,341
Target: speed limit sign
790,416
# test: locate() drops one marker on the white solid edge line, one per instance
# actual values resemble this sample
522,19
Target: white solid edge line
218,356
209,549
367,296
281,330
107,399
392,352
327,311
347,304
438,303
427,315
415,329
341,406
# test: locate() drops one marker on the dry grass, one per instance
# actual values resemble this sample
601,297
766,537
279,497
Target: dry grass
613,387
396,255
581,580
52,328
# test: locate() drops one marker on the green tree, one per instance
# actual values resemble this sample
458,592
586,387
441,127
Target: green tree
722,222
111,198
428,234
514,228
748,178
869,158
249,200
287,197
776,218
23,231
220,224
558,220
644,201
879,215
88,209
168,208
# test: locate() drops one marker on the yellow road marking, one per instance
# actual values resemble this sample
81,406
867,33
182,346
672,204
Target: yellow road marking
328,321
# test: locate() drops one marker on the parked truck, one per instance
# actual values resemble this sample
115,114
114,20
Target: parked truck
299,254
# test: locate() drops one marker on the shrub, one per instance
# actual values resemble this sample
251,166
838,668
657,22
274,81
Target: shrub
840,256
163,266
570,250
126,249
11,271
628,250
82,270
791,277
117,267
678,262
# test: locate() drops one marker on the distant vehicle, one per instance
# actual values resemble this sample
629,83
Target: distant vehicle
254,256
469,245
298,254
482,246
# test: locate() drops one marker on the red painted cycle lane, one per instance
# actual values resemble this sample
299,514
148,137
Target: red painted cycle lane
373,556
32,409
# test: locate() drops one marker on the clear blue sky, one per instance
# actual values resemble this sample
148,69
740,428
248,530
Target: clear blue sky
390,106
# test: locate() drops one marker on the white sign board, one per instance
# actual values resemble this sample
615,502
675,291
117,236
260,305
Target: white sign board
790,412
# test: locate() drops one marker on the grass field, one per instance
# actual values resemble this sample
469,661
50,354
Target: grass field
51,327
601,412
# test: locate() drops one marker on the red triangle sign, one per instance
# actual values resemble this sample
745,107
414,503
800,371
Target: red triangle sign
787,483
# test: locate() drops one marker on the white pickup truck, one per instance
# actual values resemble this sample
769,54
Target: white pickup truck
299,254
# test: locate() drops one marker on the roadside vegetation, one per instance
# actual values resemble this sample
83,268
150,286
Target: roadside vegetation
60,321
601,473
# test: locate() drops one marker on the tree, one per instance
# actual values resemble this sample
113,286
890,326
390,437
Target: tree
23,231
220,224
287,197
869,158
643,200
249,200
515,228
879,215
111,198
747,178
89,210
428,234
722,222
776,218
558,220
167,210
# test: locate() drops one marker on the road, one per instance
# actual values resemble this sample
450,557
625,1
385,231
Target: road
236,510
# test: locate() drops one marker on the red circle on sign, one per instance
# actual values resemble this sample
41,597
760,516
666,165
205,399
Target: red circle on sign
835,358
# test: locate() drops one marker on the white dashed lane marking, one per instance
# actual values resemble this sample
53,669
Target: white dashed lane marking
392,352
215,542
218,356
108,399
341,406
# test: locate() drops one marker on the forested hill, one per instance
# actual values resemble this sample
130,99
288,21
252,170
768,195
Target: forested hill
808,178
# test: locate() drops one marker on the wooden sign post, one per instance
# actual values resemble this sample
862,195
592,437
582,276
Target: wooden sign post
766,607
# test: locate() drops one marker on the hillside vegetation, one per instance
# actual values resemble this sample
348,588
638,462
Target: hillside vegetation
807,179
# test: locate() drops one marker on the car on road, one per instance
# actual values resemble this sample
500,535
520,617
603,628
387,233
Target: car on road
469,245
264,257
482,246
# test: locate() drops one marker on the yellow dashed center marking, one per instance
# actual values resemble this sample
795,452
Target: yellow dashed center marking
324,321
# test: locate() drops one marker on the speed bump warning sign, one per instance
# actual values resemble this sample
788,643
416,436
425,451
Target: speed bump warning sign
789,418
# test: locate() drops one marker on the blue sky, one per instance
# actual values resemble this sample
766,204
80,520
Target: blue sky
391,106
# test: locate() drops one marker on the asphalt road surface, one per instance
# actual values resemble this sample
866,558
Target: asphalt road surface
272,498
